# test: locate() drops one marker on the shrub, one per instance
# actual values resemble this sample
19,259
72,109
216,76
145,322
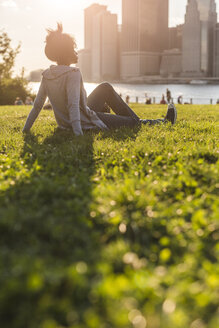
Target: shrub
11,88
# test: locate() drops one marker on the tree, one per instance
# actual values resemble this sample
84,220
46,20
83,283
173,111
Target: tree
7,55
10,87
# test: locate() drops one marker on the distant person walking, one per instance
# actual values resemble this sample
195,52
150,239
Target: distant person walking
64,87
169,97
127,99
179,100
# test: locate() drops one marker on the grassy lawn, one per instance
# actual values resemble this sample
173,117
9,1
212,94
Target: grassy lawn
112,229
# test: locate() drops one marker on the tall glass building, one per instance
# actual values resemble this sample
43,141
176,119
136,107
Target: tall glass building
100,58
198,38
144,36
208,16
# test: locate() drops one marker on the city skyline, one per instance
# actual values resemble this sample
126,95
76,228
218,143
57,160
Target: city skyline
32,33
144,45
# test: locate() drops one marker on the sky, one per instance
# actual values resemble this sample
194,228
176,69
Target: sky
26,21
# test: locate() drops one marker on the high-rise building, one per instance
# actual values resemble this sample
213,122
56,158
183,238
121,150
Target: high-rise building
144,36
99,59
171,63
104,51
191,43
216,52
84,63
171,60
175,37
89,14
85,55
198,38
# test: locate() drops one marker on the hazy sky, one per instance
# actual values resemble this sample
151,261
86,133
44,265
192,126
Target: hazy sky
26,21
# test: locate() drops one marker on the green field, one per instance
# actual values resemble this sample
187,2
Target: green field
113,229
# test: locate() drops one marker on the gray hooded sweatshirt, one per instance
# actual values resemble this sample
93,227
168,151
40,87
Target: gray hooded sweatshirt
64,87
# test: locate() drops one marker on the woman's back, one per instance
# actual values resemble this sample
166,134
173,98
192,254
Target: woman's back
56,81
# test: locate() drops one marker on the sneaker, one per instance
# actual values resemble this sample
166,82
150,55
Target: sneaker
171,115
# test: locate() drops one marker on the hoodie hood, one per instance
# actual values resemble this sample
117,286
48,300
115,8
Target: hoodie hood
56,71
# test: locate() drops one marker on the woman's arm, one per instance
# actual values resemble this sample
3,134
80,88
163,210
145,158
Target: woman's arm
73,95
37,106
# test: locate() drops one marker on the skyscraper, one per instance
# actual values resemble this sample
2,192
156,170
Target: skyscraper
85,55
104,50
191,43
175,37
99,59
89,14
216,52
144,36
198,38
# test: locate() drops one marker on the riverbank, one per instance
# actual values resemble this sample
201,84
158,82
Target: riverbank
169,81
199,93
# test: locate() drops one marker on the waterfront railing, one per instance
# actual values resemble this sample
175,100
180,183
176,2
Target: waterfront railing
186,100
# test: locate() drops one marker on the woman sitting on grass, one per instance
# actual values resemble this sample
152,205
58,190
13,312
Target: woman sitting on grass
63,85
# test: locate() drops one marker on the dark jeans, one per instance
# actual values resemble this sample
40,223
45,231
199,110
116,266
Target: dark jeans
103,95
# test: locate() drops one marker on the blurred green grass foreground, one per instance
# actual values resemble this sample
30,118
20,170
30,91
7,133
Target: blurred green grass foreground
113,229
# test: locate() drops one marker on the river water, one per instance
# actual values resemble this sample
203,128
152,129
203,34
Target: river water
200,94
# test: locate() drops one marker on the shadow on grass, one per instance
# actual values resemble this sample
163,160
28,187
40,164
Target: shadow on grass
50,245
48,240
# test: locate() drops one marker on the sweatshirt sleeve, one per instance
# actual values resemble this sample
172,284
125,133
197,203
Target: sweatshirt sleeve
37,106
73,96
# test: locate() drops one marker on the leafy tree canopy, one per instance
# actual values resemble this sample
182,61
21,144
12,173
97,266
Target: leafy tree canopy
7,55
